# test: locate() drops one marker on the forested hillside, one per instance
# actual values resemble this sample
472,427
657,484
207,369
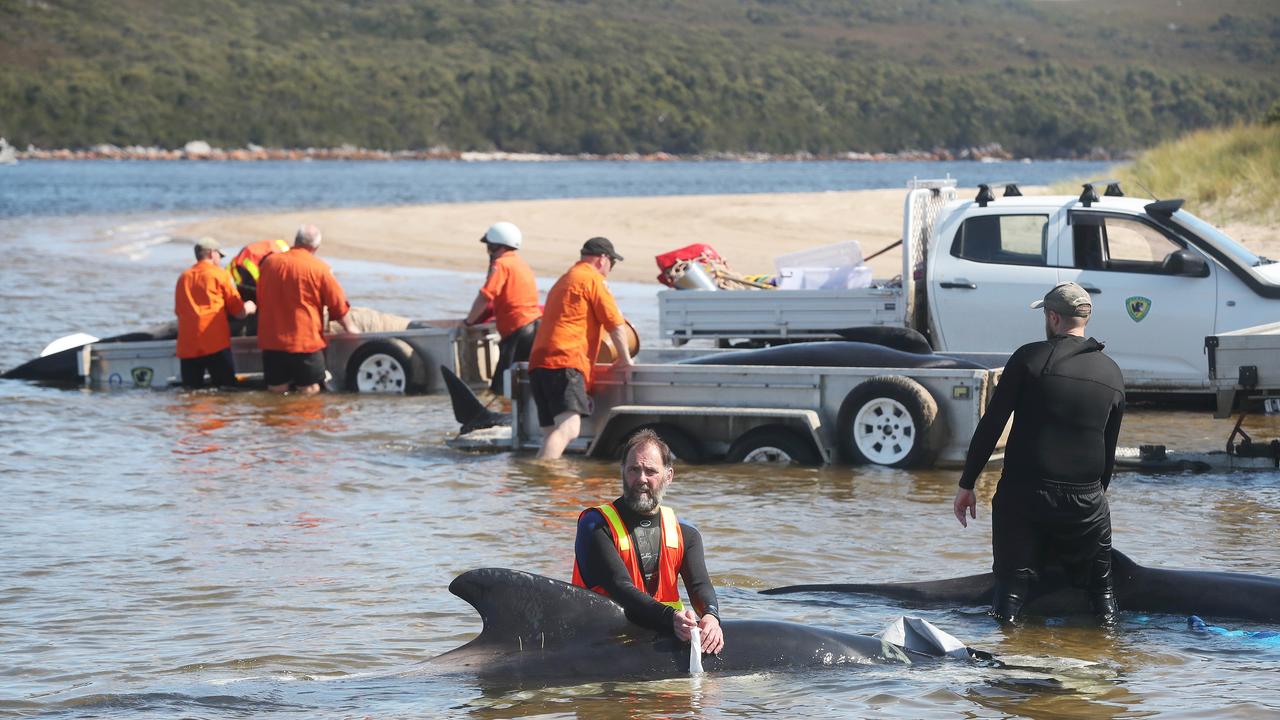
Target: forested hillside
1043,78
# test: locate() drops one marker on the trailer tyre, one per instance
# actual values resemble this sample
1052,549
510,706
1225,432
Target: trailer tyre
890,420
774,444
685,448
388,367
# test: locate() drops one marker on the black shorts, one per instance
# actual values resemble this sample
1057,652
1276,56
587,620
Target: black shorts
296,369
1052,522
221,368
512,349
557,391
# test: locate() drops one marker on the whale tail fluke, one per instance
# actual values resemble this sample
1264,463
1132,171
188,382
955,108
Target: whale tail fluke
470,413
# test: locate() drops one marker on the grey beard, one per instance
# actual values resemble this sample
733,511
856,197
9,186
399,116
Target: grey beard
641,502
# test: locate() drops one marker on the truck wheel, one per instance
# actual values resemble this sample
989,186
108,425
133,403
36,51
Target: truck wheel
389,367
686,449
774,444
890,420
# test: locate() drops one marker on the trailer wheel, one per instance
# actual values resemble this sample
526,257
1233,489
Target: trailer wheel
389,367
774,444
685,448
890,420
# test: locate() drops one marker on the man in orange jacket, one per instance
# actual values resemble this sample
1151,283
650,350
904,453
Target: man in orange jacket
633,549
564,352
294,289
513,292
246,266
203,298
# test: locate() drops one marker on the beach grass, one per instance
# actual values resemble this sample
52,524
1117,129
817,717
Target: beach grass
1225,174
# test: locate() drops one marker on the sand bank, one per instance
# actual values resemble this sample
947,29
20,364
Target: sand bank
747,230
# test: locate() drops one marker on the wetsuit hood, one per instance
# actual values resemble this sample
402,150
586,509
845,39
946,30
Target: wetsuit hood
1069,346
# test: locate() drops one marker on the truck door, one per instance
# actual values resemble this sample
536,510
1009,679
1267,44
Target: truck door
983,284
1154,297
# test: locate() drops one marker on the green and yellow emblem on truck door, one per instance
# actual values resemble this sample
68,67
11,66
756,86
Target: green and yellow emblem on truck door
142,376
1138,307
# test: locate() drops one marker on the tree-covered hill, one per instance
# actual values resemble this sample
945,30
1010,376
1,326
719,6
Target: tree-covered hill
1041,77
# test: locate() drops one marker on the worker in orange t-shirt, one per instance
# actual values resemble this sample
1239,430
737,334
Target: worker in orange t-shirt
565,348
294,289
202,299
513,291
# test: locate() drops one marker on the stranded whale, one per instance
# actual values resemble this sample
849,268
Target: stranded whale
538,630
1144,589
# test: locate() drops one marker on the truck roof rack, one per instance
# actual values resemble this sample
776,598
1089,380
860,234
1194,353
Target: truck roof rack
985,195
1090,194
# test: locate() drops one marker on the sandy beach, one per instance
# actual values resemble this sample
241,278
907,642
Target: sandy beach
747,230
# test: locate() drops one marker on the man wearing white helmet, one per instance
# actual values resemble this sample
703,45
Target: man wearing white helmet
512,290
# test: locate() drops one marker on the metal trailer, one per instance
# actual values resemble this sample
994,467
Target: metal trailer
900,417
400,362
783,315
1244,370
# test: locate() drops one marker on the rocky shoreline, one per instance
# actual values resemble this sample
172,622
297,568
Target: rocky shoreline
199,150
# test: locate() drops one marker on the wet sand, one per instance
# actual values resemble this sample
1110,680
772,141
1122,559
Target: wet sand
747,230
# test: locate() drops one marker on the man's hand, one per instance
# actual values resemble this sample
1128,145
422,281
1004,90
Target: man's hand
623,361
965,499
250,307
712,635
682,622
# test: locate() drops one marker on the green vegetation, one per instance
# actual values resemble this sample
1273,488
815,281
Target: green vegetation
601,76
1225,175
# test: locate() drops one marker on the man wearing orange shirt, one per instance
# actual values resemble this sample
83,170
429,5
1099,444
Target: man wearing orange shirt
565,348
514,293
202,299
294,289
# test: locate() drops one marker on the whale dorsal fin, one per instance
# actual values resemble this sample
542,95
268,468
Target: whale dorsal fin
521,610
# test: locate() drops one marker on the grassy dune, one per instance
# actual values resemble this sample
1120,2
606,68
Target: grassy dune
1226,175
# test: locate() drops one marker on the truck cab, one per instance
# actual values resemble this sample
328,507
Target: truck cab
1161,279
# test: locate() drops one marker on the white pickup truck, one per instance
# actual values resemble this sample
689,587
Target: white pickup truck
1161,278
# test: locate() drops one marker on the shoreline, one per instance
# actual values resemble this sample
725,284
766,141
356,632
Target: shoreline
748,230
200,151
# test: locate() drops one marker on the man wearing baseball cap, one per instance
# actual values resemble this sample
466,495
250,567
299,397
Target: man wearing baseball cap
564,352
512,292
203,298
1067,401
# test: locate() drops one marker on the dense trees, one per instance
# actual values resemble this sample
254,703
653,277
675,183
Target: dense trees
681,76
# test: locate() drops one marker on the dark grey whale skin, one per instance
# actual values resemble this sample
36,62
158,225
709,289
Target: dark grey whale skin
834,353
540,631
1142,589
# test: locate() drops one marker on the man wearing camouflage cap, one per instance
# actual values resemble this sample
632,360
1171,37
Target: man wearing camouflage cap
1067,401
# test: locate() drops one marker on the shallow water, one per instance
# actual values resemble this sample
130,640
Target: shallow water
240,555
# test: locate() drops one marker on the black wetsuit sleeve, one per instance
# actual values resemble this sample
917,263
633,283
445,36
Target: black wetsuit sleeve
1112,437
992,423
702,594
601,566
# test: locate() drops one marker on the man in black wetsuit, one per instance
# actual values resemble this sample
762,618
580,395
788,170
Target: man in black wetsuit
632,549
1067,400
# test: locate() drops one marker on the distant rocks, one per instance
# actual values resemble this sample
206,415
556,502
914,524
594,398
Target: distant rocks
203,151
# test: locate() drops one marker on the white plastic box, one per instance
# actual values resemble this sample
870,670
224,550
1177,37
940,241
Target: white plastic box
829,267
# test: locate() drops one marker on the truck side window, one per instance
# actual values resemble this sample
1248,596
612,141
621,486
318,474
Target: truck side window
1003,239
1134,246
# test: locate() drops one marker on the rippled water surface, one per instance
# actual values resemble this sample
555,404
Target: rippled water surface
171,554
